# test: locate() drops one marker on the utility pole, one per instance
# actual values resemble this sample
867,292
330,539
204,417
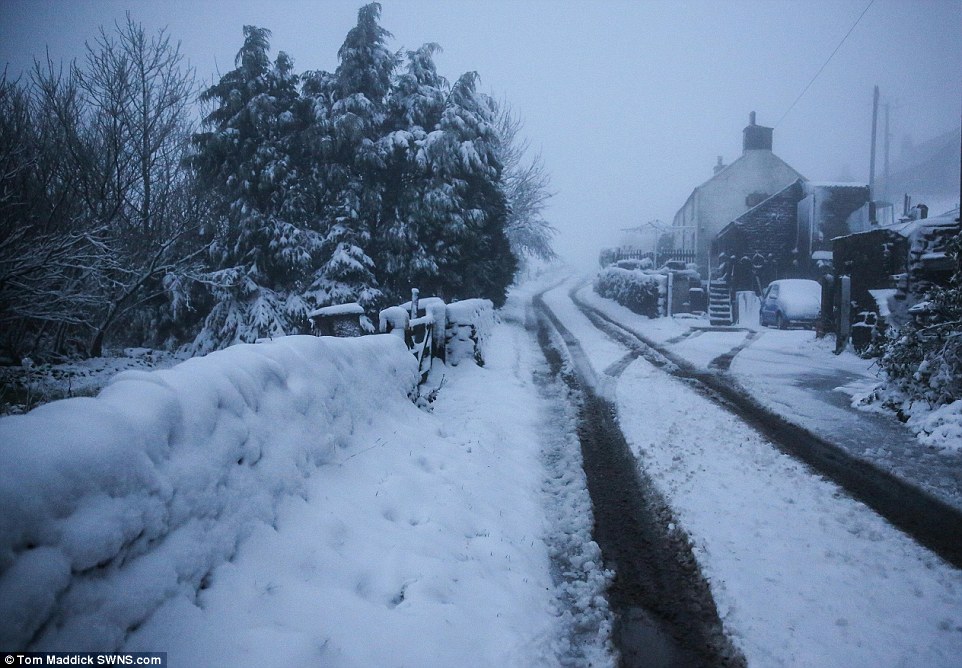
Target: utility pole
871,167
885,149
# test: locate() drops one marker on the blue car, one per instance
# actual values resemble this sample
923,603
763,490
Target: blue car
790,301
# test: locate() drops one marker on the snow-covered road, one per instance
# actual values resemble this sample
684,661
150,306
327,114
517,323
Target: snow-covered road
802,575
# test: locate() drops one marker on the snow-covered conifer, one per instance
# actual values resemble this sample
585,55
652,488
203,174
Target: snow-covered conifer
268,241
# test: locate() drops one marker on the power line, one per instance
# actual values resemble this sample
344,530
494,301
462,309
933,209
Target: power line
809,85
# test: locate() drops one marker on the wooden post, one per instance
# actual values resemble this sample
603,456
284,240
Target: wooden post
414,303
671,282
844,313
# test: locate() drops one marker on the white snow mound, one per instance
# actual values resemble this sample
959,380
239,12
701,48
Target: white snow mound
112,505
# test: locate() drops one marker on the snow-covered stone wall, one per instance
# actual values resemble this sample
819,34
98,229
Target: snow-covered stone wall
111,505
469,325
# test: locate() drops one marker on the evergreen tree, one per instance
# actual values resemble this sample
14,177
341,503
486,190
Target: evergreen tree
472,251
358,91
414,110
267,241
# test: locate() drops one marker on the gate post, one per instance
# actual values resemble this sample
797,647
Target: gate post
844,313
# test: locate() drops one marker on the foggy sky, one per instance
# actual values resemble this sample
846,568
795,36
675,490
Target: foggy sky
630,103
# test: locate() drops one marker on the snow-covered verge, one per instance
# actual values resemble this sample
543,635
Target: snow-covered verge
116,504
941,428
429,542
369,532
938,428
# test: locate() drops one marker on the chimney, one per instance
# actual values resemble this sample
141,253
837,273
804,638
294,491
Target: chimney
756,137
720,166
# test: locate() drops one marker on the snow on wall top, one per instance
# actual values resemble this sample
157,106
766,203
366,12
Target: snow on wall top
114,504
395,316
352,308
469,323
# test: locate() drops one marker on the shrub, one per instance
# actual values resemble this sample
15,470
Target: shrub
923,361
634,289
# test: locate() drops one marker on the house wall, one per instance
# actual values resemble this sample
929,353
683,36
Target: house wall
720,200
768,230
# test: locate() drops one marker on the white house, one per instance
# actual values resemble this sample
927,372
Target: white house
732,191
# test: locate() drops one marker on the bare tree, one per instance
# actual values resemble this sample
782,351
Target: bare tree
98,213
526,185
46,254
139,95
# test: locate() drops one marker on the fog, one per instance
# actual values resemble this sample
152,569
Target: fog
630,103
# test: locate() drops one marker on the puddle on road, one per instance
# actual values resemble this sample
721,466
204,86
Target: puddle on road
646,642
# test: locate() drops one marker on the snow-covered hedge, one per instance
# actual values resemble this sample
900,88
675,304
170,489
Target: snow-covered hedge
469,325
111,505
635,289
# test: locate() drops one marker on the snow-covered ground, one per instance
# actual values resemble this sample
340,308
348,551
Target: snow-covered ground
287,504
799,377
324,519
29,385
802,574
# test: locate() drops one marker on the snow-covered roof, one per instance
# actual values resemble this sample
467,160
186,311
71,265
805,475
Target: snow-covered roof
738,219
835,184
910,227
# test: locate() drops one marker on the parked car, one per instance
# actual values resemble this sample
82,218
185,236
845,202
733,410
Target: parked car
790,301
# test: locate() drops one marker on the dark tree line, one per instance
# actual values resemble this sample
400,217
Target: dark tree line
122,221
97,211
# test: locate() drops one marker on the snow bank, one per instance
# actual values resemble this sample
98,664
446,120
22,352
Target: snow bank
940,429
423,545
469,325
112,505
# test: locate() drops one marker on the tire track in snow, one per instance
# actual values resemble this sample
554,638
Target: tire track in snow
665,612
929,521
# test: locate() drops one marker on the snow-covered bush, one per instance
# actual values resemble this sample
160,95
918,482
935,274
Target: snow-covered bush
922,362
469,325
634,289
113,505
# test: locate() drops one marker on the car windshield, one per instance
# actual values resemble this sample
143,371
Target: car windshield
799,298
